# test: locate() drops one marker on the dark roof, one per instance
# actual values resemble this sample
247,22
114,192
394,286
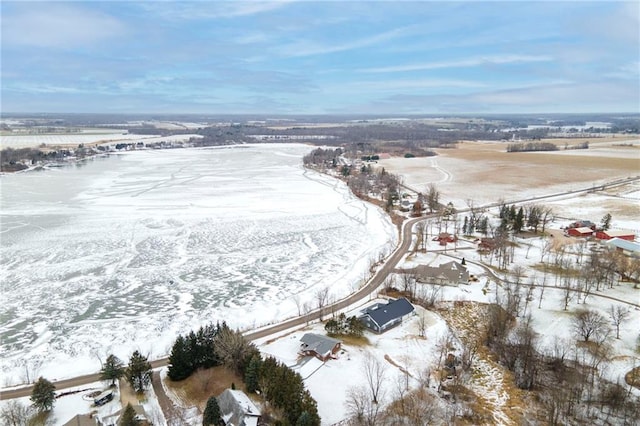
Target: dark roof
383,314
318,343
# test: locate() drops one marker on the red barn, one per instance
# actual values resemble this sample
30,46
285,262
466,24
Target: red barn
580,232
623,235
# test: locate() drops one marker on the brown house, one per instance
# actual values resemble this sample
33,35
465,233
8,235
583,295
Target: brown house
319,346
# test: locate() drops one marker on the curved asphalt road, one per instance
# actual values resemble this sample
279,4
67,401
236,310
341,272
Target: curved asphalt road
373,283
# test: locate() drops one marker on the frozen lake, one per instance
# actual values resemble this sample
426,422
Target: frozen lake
125,252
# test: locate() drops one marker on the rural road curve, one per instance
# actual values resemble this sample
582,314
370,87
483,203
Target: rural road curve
376,280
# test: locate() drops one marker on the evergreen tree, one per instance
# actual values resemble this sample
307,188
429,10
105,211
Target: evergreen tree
128,417
606,221
43,395
518,223
465,226
356,327
211,416
139,372
512,213
180,364
252,374
304,419
112,369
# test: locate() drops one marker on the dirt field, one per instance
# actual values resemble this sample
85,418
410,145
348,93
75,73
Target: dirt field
485,172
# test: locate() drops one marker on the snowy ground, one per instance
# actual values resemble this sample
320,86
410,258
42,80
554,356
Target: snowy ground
330,382
79,400
127,251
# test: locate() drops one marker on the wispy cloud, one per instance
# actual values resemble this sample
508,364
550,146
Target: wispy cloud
462,63
56,25
201,10
307,48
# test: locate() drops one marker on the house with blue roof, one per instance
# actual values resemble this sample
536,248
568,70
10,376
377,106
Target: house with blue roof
380,317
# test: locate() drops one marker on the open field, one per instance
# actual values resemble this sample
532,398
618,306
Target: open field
484,172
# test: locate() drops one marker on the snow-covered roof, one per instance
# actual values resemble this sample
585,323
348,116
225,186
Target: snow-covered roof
617,232
583,230
318,343
624,244
237,408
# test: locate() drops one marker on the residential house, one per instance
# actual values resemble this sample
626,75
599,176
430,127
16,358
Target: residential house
237,409
322,347
81,420
582,224
383,316
451,273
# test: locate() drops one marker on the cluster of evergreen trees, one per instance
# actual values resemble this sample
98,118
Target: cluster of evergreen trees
217,344
195,350
343,325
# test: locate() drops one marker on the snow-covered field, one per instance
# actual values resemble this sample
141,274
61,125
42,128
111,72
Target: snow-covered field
127,251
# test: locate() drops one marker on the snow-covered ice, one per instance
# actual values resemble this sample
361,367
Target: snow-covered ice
127,251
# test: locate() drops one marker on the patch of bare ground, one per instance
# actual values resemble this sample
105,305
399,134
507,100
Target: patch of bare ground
351,340
204,383
495,395
633,377
535,169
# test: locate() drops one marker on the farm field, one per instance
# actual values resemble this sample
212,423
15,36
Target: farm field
484,172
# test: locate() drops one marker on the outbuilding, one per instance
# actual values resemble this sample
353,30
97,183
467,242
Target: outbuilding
580,232
615,233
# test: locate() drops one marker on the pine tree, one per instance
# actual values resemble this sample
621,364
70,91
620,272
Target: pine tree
606,221
211,415
112,369
304,419
518,222
139,372
128,417
180,365
252,374
43,395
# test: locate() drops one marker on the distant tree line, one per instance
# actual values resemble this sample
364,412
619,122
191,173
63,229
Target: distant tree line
531,146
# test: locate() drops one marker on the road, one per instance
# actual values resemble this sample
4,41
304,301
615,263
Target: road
376,280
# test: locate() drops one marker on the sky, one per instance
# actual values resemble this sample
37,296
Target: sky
326,57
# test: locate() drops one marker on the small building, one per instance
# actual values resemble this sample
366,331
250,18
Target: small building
582,224
383,316
103,398
627,247
487,244
615,233
237,409
580,232
444,237
322,347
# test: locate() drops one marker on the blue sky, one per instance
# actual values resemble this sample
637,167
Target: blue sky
328,57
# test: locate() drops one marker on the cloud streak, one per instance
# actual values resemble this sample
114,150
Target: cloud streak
462,63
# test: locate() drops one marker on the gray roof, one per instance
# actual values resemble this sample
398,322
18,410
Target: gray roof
236,408
318,343
383,314
452,272
624,244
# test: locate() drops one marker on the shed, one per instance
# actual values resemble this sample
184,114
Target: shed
615,233
383,316
625,246
580,232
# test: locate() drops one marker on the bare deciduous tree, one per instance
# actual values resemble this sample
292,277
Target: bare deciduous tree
588,324
361,409
374,371
618,314
13,413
